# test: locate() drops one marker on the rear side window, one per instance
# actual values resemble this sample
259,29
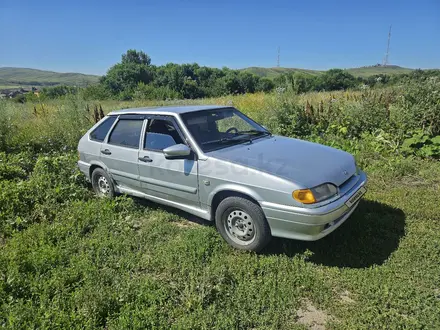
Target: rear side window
127,133
100,132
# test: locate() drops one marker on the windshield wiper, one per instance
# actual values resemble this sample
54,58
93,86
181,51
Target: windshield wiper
254,132
240,136
237,138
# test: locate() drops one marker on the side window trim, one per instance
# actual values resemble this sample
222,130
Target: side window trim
120,118
166,118
107,134
111,130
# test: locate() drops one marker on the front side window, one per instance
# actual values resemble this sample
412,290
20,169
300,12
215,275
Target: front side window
219,128
126,133
161,134
100,132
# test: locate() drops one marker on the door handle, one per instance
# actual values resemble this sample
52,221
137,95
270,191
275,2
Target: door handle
145,159
106,152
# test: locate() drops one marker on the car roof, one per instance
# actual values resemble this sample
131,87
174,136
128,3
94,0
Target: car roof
167,110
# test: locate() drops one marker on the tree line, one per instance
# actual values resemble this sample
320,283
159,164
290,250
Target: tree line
134,77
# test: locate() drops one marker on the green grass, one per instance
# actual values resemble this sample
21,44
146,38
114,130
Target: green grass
130,264
69,260
273,72
8,86
371,71
23,77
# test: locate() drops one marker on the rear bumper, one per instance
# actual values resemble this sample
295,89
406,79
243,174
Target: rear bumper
85,168
310,224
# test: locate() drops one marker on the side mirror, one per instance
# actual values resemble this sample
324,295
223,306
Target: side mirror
177,151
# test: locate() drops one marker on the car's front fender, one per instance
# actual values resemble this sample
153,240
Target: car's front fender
234,188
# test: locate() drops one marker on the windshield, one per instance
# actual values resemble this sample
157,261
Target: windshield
220,128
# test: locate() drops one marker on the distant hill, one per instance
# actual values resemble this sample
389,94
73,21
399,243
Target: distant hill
373,70
26,78
357,72
23,77
273,72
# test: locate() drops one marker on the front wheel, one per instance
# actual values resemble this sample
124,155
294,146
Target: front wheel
242,224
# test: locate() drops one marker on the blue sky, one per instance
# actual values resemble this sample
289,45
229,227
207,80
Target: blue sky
90,36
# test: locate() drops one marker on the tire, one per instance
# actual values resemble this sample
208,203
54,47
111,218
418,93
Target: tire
242,224
102,183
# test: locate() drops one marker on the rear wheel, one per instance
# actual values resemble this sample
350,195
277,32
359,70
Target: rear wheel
102,184
242,224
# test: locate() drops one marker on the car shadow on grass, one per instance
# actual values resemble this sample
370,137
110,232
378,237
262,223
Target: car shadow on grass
367,238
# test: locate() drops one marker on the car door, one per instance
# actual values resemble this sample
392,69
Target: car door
172,179
120,151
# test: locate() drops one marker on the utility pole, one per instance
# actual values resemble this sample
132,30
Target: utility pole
385,60
278,58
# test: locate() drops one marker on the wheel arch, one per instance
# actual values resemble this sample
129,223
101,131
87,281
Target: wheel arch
220,194
97,164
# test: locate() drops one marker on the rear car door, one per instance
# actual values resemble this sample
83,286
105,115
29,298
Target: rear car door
120,151
171,179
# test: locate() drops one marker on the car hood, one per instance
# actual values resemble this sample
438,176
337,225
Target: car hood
302,162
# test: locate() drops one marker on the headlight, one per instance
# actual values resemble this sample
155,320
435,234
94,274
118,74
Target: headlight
324,191
315,195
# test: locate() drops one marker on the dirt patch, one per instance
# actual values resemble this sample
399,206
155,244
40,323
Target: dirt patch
184,224
312,317
346,297
416,181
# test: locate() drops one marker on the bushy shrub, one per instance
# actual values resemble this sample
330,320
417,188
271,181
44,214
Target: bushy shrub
51,129
150,92
16,166
55,180
423,145
292,120
96,92
8,112
352,119
417,107
57,91
16,203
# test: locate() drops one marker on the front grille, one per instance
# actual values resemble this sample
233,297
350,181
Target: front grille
348,184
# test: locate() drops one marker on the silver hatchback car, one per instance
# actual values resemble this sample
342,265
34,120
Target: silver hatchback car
220,165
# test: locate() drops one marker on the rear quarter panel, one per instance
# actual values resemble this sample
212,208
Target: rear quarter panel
90,150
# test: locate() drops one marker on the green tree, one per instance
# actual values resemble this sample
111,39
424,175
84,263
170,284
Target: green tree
125,76
137,57
232,83
265,85
301,83
335,79
191,90
248,81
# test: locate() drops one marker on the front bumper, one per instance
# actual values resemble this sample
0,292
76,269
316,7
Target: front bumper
310,224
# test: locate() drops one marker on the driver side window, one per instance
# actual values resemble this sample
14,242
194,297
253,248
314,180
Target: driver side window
225,124
161,134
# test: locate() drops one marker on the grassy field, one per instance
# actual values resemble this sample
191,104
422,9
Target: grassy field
357,72
71,260
371,71
23,77
273,72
